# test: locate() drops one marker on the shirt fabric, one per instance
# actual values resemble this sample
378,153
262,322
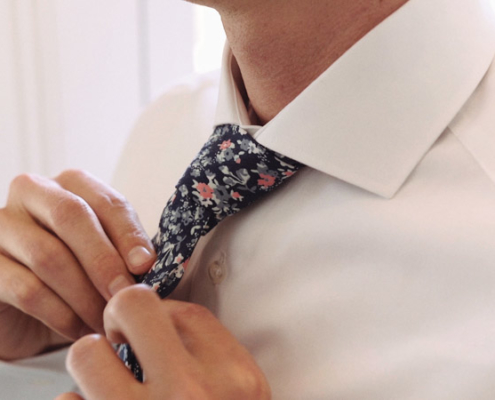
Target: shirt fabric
370,275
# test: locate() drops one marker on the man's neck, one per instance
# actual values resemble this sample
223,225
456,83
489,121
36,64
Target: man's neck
281,46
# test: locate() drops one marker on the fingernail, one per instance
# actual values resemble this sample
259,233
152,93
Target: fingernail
138,256
119,283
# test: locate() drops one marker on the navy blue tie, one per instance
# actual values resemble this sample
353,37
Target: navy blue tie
230,172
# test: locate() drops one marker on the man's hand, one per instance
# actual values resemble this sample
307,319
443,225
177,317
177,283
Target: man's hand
184,350
66,246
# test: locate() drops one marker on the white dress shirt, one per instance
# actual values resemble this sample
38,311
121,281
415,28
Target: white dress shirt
371,273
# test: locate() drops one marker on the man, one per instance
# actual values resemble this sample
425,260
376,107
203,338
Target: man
368,276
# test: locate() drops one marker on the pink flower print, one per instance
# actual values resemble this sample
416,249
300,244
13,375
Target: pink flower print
288,173
155,286
205,191
266,180
236,196
179,259
238,160
225,145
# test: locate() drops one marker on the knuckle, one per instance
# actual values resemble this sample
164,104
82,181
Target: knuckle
72,174
44,257
22,181
253,383
26,295
68,210
112,202
31,296
136,297
134,235
115,205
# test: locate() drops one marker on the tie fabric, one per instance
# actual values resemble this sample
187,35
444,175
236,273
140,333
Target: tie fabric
230,172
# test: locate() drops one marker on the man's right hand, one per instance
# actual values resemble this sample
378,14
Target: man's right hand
67,245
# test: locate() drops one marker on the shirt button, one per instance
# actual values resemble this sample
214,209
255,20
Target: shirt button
216,272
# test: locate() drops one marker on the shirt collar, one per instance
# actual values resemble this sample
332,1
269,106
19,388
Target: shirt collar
371,117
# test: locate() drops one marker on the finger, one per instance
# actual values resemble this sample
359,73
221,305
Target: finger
54,264
117,217
74,222
21,289
217,351
202,333
69,396
99,373
187,326
135,316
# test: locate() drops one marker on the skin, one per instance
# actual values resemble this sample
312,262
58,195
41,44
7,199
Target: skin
208,362
281,46
66,244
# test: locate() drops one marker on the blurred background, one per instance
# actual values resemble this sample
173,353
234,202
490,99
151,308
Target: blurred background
75,75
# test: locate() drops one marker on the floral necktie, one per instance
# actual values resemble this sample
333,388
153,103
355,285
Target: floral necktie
230,172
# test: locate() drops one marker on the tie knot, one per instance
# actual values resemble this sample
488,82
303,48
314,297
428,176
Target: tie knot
231,171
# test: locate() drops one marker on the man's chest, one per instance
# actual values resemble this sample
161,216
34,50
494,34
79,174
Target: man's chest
338,292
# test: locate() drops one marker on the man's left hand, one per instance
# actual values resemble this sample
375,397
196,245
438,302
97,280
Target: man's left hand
185,351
